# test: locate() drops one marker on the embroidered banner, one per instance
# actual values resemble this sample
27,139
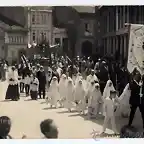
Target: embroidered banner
136,48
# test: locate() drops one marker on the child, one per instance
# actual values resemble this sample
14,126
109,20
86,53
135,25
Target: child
21,83
27,84
109,109
34,85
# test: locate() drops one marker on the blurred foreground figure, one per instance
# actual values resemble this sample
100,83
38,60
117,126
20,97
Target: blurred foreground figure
49,129
5,127
130,132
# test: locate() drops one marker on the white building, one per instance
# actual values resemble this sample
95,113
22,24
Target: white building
12,40
40,24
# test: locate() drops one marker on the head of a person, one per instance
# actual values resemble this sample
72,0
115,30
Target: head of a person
54,78
92,72
99,60
49,129
130,132
38,66
41,68
5,126
13,68
109,83
34,75
64,77
69,81
92,83
80,82
33,67
104,63
113,94
97,86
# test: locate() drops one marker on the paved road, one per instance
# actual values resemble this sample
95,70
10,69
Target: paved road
26,116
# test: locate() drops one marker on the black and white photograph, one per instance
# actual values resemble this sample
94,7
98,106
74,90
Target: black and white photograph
72,72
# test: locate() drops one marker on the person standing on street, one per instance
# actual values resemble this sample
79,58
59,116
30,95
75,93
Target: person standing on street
34,85
136,98
42,81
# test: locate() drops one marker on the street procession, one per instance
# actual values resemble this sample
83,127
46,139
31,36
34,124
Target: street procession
102,88
72,89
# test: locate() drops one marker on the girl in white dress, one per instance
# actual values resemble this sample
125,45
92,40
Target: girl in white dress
69,95
62,89
53,93
124,101
95,100
79,97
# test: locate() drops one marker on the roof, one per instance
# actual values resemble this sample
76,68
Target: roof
85,9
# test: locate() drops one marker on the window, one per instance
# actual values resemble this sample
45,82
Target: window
38,18
57,40
33,36
86,27
33,19
44,18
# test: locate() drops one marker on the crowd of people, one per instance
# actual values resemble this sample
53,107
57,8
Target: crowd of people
104,88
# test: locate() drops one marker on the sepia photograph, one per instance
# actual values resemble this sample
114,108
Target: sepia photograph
72,72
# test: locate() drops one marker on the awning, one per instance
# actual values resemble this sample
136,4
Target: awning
13,16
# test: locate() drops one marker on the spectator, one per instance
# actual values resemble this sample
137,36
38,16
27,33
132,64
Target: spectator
5,126
49,129
130,132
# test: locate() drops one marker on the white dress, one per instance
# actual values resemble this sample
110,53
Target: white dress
124,101
68,103
62,87
107,89
53,93
95,100
79,96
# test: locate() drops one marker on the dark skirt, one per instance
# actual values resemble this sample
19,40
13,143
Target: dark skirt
34,95
12,92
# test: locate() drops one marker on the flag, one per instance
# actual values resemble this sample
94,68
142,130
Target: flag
136,48
25,61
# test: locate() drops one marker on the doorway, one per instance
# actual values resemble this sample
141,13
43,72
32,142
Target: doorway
87,48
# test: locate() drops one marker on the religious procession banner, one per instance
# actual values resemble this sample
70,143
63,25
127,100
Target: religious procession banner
136,48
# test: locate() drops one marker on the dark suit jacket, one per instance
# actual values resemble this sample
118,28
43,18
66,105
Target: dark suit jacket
135,93
42,78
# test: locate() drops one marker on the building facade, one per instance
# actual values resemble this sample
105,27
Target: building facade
40,24
12,40
85,42
111,30
59,36
15,42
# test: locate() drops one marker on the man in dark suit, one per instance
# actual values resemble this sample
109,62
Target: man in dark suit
136,99
42,81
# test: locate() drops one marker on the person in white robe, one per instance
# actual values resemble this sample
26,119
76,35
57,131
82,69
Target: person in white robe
62,89
109,87
88,93
95,101
27,84
13,89
48,78
53,93
91,77
68,103
110,108
124,102
34,86
79,97
59,71
78,78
